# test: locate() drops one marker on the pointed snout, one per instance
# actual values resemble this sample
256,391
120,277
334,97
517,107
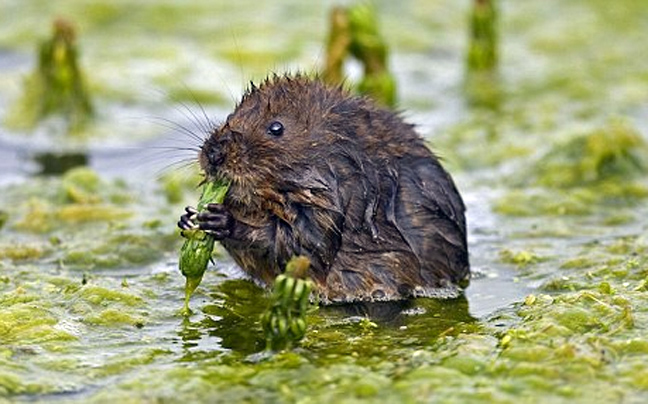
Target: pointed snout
213,151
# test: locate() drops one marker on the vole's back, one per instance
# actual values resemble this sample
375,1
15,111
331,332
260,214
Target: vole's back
405,230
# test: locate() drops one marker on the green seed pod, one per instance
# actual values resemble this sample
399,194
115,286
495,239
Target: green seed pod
284,322
304,298
283,326
274,325
198,246
298,290
279,289
300,323
285,292
298,328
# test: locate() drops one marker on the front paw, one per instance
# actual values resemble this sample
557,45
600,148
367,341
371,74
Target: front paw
188,220
215,220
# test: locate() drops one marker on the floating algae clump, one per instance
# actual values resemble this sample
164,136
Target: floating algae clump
197,248
81,185
605,165
28,323
21,251
56,87
614,152
520,258
80,196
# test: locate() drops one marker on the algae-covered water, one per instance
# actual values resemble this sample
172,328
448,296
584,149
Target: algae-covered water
550,156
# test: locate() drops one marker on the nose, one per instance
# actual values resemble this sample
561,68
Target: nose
215,156
214,149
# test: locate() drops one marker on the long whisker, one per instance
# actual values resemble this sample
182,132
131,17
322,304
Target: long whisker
208,121
175,126
176,148
164,159
193,117
177,166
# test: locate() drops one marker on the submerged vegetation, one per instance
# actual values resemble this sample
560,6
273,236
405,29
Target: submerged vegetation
554,184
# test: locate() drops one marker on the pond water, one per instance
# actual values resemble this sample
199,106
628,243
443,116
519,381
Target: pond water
552,167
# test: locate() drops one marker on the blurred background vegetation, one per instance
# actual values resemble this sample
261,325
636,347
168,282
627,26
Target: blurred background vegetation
538,109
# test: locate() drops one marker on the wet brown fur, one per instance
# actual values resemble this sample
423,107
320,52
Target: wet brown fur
348,184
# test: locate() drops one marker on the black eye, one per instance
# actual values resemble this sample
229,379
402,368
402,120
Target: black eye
276,128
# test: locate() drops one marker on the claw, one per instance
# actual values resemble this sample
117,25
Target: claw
186,222
215,220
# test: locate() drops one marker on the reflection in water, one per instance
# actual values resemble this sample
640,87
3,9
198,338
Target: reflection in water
56,163
233,319
483,90
190,333
338,330
387,313
437,314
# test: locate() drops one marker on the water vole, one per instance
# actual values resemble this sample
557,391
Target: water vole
316,171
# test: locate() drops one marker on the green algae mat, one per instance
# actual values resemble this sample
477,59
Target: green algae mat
550,155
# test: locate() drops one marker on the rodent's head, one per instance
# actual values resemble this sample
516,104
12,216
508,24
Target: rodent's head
273,133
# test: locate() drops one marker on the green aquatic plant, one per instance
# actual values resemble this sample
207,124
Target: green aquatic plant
354,31
57,85
337,46
482,50
368,46
59,162
198,246
481,84
284,323
82,221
